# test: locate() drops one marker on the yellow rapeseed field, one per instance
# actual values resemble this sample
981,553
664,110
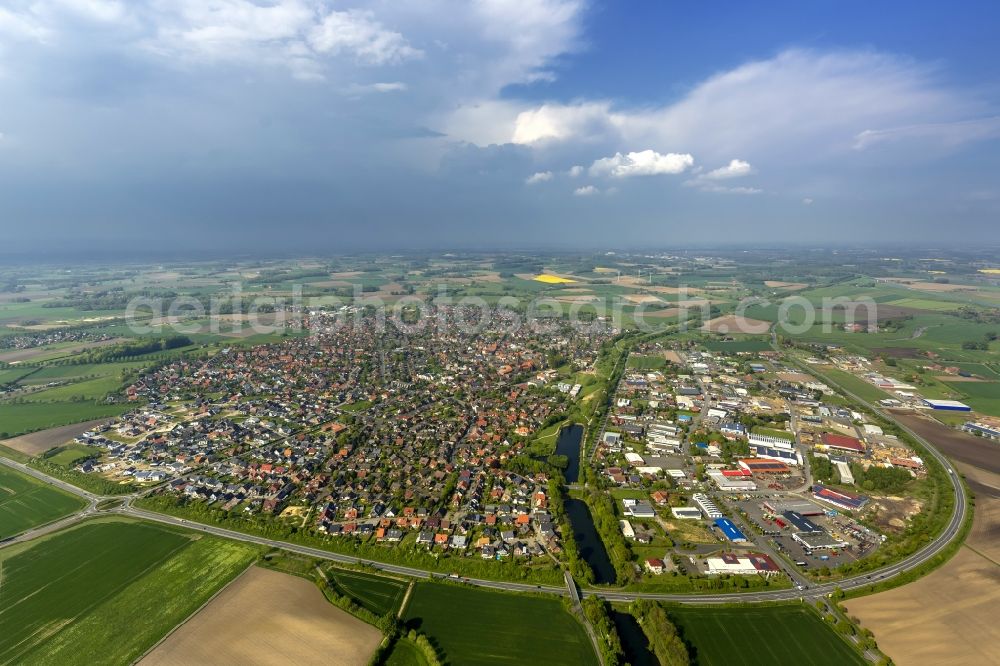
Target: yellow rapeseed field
552,279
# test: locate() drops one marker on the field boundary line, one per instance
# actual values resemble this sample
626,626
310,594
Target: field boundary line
402,604
982,555
193,614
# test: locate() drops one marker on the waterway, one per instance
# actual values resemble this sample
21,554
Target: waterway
568,444
589,542
634,641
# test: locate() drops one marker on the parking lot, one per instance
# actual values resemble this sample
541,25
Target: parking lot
779,531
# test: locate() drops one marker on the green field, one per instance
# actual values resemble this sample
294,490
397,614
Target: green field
981,396
21,418
475,626
379,594
68,455
860,387
640,362
766,635
68,598
405,653
26,502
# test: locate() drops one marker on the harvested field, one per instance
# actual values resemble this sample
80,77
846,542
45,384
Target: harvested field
957,445
958,628
664,313
43,440
672,356
267,617
800,377
734,324
642,298
940,287
790,286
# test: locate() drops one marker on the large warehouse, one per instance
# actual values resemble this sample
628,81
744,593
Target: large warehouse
801,507
818,540
800,522
732,533
839,498
948,405
741,564
843,442
763,466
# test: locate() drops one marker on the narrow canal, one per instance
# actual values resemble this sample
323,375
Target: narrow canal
568,444
634,641
589,542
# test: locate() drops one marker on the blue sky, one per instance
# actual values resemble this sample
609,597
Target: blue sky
317,125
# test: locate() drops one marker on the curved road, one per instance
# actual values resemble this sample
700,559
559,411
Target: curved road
952,530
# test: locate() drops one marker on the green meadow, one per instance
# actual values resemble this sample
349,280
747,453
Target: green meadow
26,502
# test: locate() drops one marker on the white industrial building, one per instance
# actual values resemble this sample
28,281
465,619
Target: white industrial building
728,483
708,507
686,512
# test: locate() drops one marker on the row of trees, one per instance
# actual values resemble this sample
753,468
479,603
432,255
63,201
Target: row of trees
598,613
664,640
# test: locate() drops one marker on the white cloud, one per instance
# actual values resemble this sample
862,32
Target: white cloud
575,171
586,191
524,36
947,134
642,163
807,201
389,86
299,34
102,11
380,87
722,189
735,169
22,26
558,123
357,33
539,177
708,181
801,107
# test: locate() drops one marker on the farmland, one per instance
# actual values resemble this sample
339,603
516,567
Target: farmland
769,635
26,502
959,627
67,595
263,608
30,416
379,594
40,442
475,626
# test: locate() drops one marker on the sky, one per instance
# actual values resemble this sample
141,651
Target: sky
321,125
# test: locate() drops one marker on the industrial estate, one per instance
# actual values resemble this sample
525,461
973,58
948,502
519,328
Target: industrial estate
659,457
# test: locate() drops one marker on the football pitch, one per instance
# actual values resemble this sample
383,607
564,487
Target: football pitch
26,502
766,635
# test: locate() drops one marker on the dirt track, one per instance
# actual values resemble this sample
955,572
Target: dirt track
267,617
